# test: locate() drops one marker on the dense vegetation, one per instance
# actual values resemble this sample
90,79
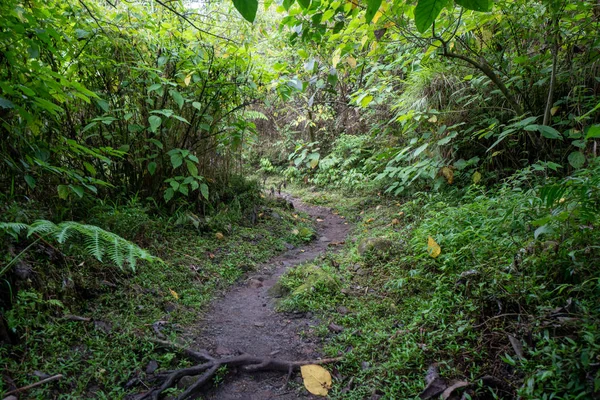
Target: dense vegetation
461,136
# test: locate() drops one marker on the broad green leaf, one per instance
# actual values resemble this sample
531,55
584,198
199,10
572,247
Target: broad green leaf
6,103
30,181
183,189
549,132
576,159
192,168
78,190
426,12
204,190
176,160
197,106
420,150
177,97
476,5
247,8
152,167
63,192
154,121
154,87
593,132
168,194
287,4
304,3
372,7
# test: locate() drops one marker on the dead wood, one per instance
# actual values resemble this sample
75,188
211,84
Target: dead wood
210,365
24,388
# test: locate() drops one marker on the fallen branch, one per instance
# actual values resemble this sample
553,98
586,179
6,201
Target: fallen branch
24,388
210,366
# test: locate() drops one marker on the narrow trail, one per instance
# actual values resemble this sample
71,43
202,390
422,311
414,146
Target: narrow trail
244,320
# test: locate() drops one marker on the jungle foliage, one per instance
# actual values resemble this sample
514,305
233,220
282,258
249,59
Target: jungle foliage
129,131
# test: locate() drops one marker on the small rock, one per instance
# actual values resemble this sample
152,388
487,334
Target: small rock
276,216
377,246
11,397
103,326
356,267
277,290
289,246
365,365
324,239
170,307
151,367
343,310
187,381
254,283
259,324
335,328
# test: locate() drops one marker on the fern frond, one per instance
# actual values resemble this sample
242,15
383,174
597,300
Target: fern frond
64,232
13,228
97,241
41,227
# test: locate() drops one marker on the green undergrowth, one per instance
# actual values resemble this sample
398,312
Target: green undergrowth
200,257
513,262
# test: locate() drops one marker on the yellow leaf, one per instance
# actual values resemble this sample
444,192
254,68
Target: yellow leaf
219,236
174,294
317,379
376,17
351,61
395,221
433,248
476,177
369,220
448,174
336,57
554,110
187,80
433,119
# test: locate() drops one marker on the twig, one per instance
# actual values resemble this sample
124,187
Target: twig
24,388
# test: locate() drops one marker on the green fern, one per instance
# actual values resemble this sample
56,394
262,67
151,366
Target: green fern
97,241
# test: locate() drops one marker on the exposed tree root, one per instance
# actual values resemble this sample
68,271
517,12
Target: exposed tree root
209,366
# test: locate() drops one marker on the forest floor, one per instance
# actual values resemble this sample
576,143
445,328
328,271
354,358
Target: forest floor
245,320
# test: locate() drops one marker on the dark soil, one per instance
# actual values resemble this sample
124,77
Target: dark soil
244,320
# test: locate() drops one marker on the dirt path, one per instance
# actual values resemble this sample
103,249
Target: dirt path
245,320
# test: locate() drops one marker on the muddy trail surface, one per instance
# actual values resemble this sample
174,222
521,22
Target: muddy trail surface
244,320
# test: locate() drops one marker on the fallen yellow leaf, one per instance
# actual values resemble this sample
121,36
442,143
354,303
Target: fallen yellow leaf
174,294
433,248
476,177
317,379
448,174
219,236
395,221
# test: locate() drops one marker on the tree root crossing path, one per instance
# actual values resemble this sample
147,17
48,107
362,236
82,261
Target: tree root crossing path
244,332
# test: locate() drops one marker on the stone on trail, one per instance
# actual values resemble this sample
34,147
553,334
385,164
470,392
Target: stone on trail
376,246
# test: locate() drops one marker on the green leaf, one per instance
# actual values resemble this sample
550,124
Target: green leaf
247,8
549,132
63,192
287,4
176,160
168,194
6,103
204,190
372,8
593,132
304,3
476,5
177,97
152,167
154,87
154,121
30,181
192,168
183,189
366,101
426,12
576,159
78,190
